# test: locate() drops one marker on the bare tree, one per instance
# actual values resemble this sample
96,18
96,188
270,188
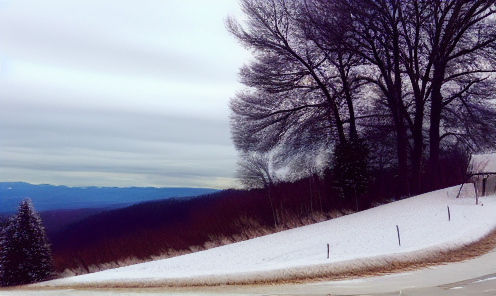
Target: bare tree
302,87
432,64
254,171
462,38
373,33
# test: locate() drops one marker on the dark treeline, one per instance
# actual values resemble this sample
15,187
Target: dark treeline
173,226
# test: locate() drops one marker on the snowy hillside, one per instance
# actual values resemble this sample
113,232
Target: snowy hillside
363,238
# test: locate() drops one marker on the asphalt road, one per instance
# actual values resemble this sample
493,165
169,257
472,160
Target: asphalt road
471,277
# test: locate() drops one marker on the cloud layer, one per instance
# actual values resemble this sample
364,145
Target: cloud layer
117,93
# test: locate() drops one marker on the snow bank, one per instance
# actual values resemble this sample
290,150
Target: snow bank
356,241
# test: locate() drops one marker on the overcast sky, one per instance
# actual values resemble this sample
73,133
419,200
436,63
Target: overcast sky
117,92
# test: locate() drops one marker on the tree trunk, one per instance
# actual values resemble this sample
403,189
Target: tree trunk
401,146
435,120
418,147
348,97
402,114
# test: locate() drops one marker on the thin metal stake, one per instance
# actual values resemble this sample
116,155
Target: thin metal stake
398,230
449,215
327,251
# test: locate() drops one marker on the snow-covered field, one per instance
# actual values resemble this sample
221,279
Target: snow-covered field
357,240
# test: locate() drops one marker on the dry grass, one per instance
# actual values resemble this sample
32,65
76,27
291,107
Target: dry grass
252,229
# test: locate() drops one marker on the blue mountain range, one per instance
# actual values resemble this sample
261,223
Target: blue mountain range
50,197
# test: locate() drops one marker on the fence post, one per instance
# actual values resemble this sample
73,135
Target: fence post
398,230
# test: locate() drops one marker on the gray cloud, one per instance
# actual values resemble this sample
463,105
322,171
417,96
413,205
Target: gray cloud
117,93
65,139
151,38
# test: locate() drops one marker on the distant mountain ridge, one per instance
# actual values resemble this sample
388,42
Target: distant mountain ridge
47,197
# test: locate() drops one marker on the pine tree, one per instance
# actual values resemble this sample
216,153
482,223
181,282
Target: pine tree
350,168
25,255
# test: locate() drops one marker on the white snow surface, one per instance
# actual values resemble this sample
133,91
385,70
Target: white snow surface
482,163
356,239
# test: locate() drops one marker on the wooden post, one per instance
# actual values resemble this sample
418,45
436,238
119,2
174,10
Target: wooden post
449,216
398,230
327,251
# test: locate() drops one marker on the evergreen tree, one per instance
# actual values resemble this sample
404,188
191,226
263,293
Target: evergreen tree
350,168
25,255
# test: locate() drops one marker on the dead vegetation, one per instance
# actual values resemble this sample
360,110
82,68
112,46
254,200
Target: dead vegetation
251,229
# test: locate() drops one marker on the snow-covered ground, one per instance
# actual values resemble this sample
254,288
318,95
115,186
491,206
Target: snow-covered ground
357,240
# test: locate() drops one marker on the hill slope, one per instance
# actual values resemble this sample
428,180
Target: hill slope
358,240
